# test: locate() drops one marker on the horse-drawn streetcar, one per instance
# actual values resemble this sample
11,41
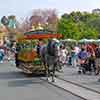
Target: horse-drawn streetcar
27,58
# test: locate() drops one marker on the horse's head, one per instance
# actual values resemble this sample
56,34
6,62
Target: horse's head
56,48
53,47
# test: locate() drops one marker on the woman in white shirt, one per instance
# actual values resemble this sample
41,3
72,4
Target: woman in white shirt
63,54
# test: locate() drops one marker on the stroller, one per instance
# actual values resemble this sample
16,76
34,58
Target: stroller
84,66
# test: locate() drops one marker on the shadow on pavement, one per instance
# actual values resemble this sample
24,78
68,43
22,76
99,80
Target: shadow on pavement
24,82
11,75
17,75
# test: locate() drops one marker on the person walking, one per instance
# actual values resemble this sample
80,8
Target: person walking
1,55
73,57
82,56
97,53
91,58
63,54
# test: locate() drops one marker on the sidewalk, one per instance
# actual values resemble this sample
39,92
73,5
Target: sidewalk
89,81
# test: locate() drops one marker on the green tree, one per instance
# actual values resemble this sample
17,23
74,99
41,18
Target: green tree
75,30
68,28
95,23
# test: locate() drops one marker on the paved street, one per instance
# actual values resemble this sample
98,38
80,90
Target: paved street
14,85
90,81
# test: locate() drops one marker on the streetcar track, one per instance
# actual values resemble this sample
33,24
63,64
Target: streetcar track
79,85
75,84
64,89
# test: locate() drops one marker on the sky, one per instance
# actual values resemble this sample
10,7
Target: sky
22,8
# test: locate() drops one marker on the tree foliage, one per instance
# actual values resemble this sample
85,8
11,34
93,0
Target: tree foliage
77,25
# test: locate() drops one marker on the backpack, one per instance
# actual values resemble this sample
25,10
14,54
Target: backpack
51,49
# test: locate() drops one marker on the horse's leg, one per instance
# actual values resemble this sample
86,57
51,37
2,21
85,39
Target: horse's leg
47,76
53,72
58,66
47,71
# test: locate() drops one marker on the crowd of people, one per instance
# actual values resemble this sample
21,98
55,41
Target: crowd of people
7,52
85,56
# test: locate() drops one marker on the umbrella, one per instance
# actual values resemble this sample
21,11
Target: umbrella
83,40
68,40
72,40
91,40
98,40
